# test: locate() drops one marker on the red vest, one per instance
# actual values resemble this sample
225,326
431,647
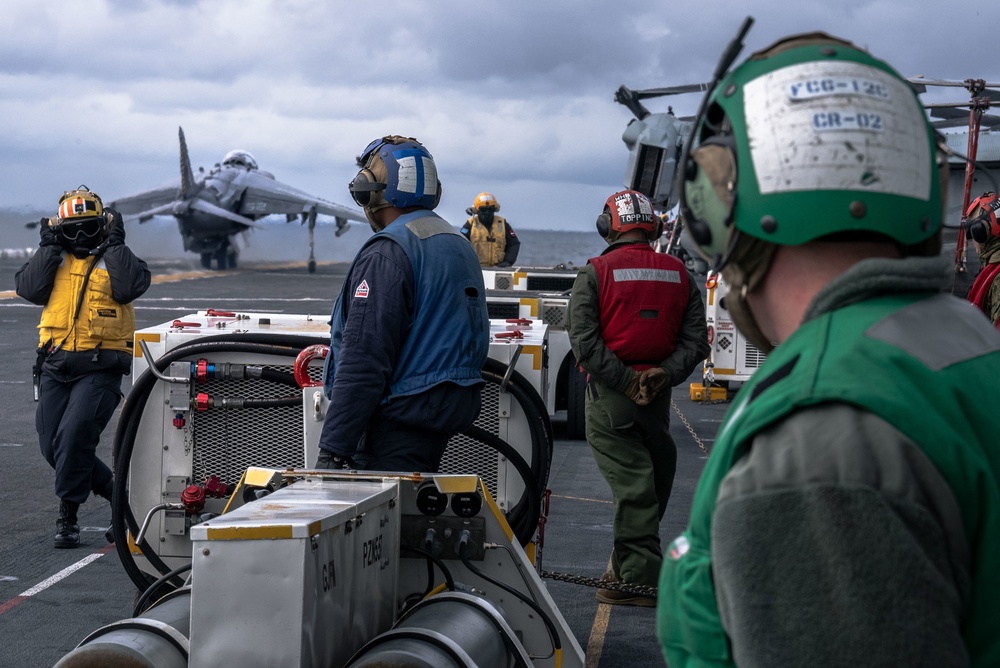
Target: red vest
643,296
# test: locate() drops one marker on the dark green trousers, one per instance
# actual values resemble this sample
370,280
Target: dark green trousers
638,458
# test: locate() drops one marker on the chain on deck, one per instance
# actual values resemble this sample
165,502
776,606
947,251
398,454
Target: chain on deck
638,590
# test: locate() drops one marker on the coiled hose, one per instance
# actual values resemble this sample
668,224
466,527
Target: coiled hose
523,516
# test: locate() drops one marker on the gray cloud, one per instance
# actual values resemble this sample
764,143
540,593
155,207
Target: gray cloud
513,97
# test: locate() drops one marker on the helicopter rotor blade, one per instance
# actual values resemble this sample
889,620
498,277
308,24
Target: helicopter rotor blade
988,120
923,81
670,90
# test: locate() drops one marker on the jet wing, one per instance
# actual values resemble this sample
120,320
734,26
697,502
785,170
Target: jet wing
154,202
264,196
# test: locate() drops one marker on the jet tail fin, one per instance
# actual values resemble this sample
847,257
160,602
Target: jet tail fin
187,176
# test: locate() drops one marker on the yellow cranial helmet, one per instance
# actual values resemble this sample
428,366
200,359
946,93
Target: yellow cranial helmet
79,204
81,219
486,200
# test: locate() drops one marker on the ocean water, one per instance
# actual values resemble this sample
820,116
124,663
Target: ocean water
159,239
548,248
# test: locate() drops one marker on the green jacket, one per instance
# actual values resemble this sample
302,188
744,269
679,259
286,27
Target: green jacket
908,511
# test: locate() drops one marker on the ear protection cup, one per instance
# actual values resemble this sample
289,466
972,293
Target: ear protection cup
707,192
365,189
604,224
985,223
977,230
395,171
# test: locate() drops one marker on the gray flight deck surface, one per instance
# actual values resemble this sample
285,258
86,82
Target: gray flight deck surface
51,599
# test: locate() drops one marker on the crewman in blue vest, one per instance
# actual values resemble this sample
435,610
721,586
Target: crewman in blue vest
849,512
410,330
86,278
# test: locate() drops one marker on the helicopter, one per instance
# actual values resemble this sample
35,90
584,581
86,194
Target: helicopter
974,150
655,142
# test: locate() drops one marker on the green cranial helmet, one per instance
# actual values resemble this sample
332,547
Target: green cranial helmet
808,138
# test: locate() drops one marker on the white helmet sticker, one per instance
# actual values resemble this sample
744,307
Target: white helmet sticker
430,176
834,125
407,177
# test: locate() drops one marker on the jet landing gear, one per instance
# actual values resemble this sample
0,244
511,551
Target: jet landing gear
311,219
225,258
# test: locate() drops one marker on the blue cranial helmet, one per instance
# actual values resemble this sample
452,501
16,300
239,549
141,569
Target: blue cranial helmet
396,171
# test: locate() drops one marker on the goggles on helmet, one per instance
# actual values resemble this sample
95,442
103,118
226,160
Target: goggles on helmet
80,229
362,188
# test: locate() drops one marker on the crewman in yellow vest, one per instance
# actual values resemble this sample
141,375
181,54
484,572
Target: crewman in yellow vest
85,277
491,235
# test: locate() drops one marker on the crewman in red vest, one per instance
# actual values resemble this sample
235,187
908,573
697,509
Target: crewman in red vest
984,230
637,327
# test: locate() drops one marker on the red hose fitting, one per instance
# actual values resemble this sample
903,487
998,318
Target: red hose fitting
215,487
193,498
301,367
201,401
201,370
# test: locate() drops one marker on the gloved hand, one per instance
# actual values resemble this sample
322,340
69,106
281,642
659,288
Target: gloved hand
116,228
47,234
504,264
328,459
652,381
634,393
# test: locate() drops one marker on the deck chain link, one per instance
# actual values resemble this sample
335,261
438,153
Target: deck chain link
688,426
638,590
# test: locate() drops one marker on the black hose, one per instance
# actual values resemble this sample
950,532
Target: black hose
549,625
522,522
534,407
523,517
431,559
148,594
122,519
541,437
275,376
256,402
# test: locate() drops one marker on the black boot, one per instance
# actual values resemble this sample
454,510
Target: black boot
67,530
106,492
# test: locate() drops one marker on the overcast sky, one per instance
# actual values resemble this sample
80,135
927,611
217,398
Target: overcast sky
511,97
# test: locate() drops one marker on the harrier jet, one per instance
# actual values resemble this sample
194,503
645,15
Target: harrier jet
212,207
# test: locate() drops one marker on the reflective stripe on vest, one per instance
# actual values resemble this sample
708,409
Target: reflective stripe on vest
643,296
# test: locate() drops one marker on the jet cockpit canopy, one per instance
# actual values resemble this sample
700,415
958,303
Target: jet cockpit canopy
239,158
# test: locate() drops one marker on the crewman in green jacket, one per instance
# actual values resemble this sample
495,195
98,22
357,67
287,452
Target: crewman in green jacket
849,513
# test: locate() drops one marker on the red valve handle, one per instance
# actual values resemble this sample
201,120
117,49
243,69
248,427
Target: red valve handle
301,368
